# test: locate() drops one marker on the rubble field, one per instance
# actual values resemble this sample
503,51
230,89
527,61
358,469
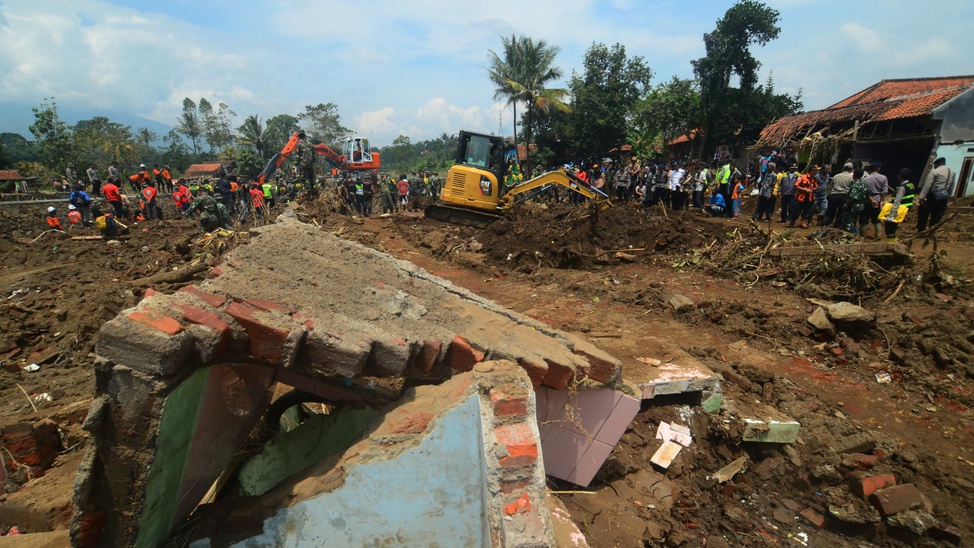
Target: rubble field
883,397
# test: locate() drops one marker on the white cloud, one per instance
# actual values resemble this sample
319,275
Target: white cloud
375,122
865,38
932,50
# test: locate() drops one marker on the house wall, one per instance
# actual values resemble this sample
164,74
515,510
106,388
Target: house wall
957,116
957,155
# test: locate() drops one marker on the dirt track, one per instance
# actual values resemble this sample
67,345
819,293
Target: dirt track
612,283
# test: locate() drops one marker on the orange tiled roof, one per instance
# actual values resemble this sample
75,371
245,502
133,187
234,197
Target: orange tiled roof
207,169
887,100
13,175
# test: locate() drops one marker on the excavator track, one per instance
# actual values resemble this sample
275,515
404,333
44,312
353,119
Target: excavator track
461,216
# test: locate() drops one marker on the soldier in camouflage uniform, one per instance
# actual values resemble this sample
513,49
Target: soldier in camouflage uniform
209,211
304,157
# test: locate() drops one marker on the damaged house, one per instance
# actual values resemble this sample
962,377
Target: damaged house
900,123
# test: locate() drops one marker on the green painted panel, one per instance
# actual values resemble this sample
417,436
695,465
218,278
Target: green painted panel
173,443
315,439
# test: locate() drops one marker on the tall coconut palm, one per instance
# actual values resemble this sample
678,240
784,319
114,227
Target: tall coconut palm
252,134
522,74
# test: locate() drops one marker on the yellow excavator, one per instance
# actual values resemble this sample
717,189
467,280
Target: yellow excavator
473,193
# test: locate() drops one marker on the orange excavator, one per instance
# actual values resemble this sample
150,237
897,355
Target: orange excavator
356,155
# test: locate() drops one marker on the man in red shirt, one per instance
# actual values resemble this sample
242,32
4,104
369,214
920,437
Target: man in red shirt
111,193
257,195
403,187
149,204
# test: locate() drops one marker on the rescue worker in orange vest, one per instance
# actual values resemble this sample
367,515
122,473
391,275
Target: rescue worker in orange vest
74,215
167,177
52,220
149,204
805,197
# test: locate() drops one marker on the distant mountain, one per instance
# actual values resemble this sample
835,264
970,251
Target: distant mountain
17,118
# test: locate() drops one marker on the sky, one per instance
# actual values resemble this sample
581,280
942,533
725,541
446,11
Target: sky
419,68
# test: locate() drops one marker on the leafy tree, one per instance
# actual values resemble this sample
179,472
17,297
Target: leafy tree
146,137
100,141
522,75
670,110
728,110
53,136
177,154
249,163
16,148
604,98
190,125
279,130
252,134
323,122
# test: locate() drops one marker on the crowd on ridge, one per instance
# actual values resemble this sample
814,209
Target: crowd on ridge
859,199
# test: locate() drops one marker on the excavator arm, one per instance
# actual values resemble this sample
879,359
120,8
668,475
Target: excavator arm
335,159
531,188
275,163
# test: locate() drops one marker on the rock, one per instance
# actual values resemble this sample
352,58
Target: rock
941,358
820,321
434,240
914,521
679,301
846,312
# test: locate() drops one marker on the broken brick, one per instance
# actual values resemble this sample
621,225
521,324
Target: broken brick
198,316
893,500
211,299
268,306
558,375
519,440
265,342
520,506
512,485
536,369
157,320
461,356
866,486
426,357
815,518
506,405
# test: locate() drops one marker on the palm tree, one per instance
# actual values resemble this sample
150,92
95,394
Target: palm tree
521,75
146,136
252,134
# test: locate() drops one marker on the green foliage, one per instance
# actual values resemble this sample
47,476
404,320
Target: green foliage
670,110
731,114
279,130
101,141
322,122
251,134
177,154
16,148
249,163
189,124
604,98
523,74
53,136
405,156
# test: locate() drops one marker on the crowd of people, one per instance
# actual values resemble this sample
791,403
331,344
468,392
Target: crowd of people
859,199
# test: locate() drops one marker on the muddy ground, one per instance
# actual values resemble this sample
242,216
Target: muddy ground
617,277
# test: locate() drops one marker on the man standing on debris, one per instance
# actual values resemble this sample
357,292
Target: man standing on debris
208,211
676,192
766,196
894,212
304,158
113,195
94,179
805,188
71,175
786,189
823,178
82,203
937,189
149,203
878,189
114,175
838,196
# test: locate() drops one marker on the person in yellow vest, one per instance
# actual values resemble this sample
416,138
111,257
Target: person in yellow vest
895,211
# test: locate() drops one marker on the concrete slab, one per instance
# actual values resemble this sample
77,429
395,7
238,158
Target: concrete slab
762,423
671,378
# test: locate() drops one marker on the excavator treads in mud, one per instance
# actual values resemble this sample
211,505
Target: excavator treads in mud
461,216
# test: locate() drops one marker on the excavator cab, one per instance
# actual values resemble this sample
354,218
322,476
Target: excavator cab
475,179
357,151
